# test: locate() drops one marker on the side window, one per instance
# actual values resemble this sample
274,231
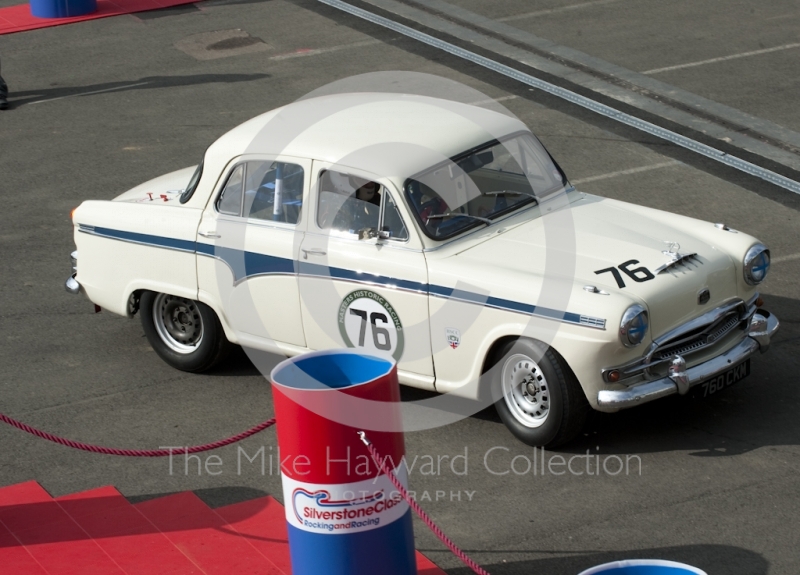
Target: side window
230,201
353,205
348,204
274,191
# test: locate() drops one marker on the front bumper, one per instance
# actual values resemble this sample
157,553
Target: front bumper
763,326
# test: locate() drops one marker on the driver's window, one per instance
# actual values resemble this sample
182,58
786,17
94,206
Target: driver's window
347,203
352,205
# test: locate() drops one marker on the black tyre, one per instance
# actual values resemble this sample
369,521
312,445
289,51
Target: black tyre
185,333
537,396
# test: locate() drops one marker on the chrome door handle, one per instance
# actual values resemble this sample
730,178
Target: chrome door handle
209,234
313,252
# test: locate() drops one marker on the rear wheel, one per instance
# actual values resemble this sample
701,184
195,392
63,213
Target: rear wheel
540,400
185,333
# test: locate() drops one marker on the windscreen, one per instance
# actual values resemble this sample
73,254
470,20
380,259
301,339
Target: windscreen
483,184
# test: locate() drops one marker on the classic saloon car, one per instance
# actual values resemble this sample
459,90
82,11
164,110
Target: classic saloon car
441,234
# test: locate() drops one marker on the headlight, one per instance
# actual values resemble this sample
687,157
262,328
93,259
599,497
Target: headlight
633,326
756,264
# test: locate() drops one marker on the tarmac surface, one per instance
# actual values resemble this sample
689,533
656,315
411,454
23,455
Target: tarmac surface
101,106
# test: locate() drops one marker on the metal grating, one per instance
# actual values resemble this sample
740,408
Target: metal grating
709,336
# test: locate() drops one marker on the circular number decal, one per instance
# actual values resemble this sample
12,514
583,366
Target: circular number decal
368,321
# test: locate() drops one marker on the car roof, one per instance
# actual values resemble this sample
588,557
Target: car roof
391,135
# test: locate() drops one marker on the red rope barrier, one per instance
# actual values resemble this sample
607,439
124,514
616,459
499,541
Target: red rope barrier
381,463
135,452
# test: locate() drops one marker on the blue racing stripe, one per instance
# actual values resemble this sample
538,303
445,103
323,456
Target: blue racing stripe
322,271
246,264
160,241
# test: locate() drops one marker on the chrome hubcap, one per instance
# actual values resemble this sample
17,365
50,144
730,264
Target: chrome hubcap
525,390
178,323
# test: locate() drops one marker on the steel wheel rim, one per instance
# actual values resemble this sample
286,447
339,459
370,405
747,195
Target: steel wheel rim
178,323
526,391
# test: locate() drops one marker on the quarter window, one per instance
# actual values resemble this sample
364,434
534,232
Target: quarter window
392,221
230,202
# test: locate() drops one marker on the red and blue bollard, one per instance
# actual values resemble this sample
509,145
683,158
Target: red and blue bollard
62,8
643,567
344,516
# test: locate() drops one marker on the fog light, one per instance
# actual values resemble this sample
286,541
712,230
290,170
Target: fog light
759,301
613,376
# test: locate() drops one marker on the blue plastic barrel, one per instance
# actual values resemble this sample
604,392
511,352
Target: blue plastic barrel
643,567
62,8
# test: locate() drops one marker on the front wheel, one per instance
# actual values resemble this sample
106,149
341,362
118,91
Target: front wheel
184,333
540,399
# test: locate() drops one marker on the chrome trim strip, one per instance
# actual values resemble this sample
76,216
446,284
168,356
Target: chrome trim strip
609,399
258,275
365,282
675,259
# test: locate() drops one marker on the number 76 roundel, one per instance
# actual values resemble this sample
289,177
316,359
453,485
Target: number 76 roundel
368,321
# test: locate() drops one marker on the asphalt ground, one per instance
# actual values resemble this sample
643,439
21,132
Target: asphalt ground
101,106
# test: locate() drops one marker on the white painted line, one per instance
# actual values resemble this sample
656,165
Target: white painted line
788,258
88,93
314,52
626,172
723,58
555,10
573,97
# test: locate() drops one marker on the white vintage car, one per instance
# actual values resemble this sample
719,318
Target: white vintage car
441,234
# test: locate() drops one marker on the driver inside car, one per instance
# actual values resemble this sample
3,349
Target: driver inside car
362,209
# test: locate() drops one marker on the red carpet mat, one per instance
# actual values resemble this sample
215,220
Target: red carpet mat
100,532
19,18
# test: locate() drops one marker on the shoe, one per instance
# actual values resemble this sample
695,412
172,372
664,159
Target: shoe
3,104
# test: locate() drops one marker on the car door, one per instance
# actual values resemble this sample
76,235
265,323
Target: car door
363,278
248,242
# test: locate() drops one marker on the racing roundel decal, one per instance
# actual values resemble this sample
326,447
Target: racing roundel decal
368,321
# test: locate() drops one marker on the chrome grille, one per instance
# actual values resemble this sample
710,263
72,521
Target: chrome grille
703,337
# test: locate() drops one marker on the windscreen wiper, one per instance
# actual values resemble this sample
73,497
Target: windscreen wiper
511,192
486,221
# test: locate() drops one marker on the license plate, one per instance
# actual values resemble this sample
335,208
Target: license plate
723,380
